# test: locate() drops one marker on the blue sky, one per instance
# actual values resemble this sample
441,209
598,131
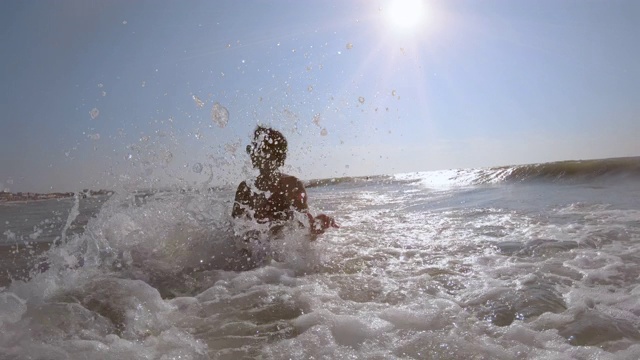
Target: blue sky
110,94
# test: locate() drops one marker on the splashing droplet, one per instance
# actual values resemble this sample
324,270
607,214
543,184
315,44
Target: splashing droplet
197,168
168,156
310,88
95,136
219,115
199,103
361,100
94,113
393,93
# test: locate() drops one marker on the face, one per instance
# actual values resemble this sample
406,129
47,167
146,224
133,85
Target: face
260,154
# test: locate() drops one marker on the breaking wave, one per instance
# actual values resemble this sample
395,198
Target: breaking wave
560,171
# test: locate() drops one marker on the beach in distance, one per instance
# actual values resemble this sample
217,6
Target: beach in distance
530,261
6,196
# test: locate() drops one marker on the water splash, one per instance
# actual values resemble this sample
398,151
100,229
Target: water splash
199,103
94,113
219,115
73,214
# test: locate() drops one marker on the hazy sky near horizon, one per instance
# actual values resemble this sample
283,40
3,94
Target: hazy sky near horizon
109,94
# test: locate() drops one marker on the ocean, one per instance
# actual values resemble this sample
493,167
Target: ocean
517,262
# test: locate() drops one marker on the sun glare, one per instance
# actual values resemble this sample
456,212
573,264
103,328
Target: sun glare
405,15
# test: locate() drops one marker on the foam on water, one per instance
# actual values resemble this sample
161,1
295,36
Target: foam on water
490,271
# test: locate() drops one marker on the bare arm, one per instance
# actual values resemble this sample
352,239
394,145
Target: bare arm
318,224
299,196
242,200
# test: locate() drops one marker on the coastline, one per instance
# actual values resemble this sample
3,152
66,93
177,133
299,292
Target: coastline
22,197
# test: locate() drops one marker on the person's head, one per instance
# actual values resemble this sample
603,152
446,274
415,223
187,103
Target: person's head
268,150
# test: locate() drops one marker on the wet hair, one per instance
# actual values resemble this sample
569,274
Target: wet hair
268,147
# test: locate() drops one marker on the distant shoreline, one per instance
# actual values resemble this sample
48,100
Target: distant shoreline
8,197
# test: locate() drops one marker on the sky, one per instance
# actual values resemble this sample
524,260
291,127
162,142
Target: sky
137,94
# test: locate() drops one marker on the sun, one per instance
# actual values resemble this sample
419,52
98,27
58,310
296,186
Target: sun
405,15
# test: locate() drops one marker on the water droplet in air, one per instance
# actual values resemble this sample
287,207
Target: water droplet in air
95,136
323,132
124,22
219,115
199,103
316,119
168,156
197,168
100,85
94,113
349,46
361,100
393,93
310,88
144,83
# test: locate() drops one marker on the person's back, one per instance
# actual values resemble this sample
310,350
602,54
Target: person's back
270,202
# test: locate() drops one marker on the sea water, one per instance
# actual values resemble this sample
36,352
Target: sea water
538,262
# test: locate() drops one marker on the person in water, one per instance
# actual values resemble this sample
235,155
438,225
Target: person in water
274,197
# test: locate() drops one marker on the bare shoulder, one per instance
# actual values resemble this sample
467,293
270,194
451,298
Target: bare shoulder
242,198
243,192
291,182
242,187
295,191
